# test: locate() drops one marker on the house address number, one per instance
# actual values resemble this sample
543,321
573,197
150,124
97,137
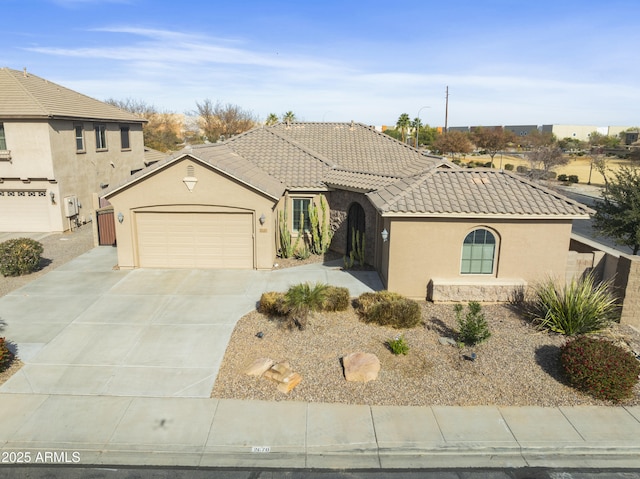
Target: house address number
261,449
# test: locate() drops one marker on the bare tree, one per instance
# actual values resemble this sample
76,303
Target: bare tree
219,120
162,131
544,159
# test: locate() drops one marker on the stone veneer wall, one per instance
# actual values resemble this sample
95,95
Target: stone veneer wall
627,284
442,290
339,203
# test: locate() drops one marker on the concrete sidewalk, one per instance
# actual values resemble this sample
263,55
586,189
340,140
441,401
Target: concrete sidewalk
227,433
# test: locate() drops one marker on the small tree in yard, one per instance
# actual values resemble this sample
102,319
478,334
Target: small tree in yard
546,158
492,140
618,214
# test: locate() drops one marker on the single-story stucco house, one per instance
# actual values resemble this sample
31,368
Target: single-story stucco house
449,232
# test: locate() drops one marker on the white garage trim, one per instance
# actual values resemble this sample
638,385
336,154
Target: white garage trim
195,240
24,211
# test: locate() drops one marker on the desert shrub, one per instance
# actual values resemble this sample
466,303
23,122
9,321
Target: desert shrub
572,178
508,167
398,345
582,306
562,177
300,300
550,175
522,169
488,164
6,356
271,303
473,327
336,299
389,309
600,368
19,256
366,300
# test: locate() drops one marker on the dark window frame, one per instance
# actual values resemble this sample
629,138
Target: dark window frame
125,138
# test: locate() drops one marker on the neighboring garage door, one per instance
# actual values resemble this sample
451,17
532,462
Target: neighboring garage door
24,211
195,240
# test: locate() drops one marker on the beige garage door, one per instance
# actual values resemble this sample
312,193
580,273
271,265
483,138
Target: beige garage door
24,211
195,240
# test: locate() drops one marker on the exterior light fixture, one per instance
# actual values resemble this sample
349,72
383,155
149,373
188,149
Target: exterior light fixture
262,219
53,197
385,235
120,217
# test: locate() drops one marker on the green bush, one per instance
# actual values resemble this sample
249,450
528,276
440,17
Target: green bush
336,299
582,306
508,167
562,177
6,356
20,256
522,169
389,309
398,345
473,327
600,368
572,179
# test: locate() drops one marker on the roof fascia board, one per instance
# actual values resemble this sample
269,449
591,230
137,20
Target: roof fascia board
485,216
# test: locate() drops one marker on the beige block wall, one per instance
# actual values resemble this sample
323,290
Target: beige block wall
423,249
166,191
627,283
30,150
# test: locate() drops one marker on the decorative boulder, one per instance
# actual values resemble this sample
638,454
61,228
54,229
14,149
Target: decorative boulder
282,374
361,367
258,367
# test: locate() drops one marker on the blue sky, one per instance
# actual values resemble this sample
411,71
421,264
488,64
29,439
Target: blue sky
505,62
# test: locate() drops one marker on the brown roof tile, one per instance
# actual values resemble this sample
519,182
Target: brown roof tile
24,95
482,192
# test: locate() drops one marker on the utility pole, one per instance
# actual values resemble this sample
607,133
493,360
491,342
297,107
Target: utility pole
446,111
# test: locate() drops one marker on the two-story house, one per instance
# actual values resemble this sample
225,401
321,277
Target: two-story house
59,148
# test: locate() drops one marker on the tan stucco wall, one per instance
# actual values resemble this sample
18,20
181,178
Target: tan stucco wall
82,174
165,190
423,249
45,152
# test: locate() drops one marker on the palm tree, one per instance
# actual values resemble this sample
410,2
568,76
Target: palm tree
289,117
416,124
403,124
272,119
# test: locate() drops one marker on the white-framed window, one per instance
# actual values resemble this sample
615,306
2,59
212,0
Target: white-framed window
3,139
301,205
79,132
124,138
478,252
101,137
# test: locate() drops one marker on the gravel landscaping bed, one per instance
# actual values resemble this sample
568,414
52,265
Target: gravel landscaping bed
516,366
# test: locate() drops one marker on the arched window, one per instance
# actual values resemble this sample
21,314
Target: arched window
478,252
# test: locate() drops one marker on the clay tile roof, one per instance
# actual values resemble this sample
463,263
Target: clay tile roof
358,148
221,158
357,181
281,158
24,95
482,192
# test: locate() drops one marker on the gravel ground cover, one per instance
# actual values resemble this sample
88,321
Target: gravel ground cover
516,366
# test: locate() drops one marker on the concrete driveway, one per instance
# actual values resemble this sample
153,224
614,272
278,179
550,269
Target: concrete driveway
87,329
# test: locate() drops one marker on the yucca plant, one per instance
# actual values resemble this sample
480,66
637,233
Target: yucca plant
582,306
300,299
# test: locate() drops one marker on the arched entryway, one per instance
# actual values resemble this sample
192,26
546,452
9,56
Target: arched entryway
355,221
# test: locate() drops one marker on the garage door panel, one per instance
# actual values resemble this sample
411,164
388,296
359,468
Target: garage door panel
24,211
195,240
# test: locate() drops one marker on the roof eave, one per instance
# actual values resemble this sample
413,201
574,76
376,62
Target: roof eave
512,216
